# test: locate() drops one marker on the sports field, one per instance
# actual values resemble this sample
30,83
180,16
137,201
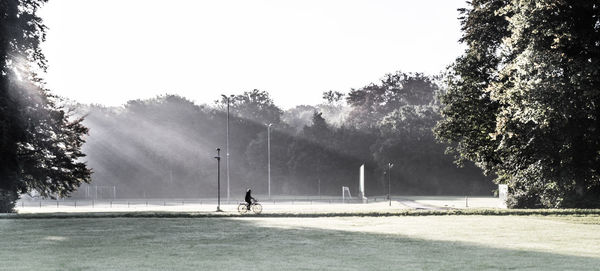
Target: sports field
303,243
279,205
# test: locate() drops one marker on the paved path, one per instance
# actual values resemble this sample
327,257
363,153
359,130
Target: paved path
411,204
298,207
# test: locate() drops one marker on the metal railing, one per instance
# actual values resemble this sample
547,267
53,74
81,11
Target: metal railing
129,203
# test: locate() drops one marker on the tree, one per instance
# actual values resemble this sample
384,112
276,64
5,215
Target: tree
40,146
257,157
522,100
372,103
299,116
314,162
333,97
319,131
254,105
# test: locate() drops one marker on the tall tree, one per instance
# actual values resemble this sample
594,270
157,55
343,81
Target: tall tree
39,145
333,97
372,103
522,100
255,105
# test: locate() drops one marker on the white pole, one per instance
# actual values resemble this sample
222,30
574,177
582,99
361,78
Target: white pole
227,146
269,156
361,182
390,165
228,150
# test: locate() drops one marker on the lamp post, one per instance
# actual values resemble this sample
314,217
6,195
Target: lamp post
269,156
227,98
218,157
390,165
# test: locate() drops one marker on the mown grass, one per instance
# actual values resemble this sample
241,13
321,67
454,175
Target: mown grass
474,242
401,212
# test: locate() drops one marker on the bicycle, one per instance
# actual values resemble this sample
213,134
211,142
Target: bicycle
254,207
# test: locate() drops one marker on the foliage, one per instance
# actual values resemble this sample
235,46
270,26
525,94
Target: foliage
401,112
521,102
313,149
373,102
299,116
333,97
39,144
335,114
255,105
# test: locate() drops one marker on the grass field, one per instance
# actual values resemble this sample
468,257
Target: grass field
310,243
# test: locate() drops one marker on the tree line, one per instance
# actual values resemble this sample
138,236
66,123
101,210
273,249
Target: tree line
164,147
520,105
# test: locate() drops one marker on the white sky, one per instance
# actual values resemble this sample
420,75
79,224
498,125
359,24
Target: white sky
111,51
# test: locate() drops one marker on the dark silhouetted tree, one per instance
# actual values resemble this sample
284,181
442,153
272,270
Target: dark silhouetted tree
39,145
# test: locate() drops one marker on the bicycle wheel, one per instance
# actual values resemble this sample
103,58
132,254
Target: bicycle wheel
256,208
242,208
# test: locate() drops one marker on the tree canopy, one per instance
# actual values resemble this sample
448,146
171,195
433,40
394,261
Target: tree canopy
314,149
522,100
40,145
254,105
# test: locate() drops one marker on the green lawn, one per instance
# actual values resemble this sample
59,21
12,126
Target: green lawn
319,243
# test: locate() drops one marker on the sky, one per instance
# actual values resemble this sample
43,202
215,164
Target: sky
111,51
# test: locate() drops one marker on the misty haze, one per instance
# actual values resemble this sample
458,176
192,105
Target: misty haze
299,135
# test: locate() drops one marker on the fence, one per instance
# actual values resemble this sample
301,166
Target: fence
129,203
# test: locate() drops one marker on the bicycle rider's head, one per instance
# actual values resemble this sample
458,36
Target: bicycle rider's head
248,190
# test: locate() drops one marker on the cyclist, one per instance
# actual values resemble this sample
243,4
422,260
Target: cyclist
249,198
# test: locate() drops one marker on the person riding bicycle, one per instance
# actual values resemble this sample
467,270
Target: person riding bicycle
249,198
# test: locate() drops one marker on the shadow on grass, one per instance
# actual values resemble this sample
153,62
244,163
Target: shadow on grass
236,244
399,212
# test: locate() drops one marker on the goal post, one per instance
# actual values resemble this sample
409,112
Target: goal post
101,192
345,190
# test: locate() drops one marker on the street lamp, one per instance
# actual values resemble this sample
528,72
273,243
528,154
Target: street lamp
218,157
269,155
390,165
227,98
